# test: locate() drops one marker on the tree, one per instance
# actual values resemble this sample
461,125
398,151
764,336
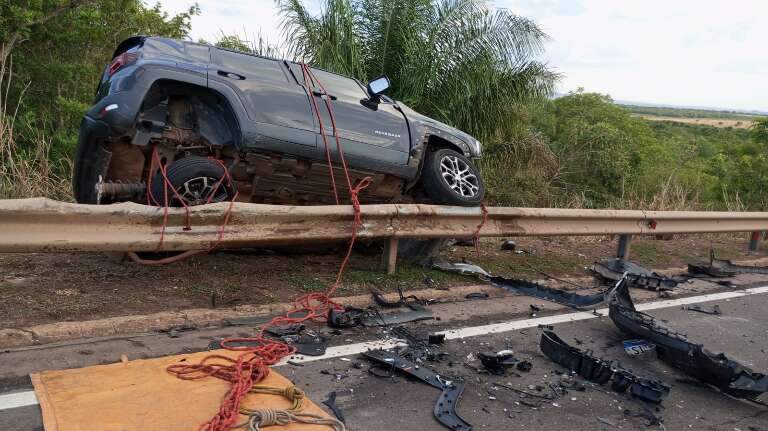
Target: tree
455,60
760,130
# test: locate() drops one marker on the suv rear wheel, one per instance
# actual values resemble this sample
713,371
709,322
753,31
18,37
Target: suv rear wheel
197,180
449,178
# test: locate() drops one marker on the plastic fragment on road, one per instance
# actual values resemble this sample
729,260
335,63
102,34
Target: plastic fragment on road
445,407
602,371
634,274
715,369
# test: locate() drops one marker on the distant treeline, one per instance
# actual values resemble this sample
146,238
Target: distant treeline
687,112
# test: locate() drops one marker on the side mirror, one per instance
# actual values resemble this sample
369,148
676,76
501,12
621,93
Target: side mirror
378,86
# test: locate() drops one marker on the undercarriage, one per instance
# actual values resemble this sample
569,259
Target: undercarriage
258,178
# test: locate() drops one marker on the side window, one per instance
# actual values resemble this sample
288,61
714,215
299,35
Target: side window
251,65
340,86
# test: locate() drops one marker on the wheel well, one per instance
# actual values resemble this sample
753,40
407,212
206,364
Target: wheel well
190,106
435,143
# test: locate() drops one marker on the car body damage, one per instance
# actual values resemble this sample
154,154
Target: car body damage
269,121
602,371
636,275
445,407
715,369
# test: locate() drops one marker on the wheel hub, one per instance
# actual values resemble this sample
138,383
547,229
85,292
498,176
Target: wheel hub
459,176
202,190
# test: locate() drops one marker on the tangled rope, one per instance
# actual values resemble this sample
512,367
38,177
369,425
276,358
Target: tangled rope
270,417
259,352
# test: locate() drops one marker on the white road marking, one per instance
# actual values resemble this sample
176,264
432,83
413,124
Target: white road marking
17,399
28,398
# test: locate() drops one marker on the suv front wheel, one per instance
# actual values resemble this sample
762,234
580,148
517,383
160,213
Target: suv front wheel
449,178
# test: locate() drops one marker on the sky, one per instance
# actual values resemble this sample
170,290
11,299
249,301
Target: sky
705,53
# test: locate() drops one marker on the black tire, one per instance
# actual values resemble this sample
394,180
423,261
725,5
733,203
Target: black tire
468,191
194,179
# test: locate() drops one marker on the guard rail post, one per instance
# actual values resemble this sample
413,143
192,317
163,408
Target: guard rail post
624,244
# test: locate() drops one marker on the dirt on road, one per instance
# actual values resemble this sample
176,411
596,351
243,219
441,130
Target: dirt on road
44,288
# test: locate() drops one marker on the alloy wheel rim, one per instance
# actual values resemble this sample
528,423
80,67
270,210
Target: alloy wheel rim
199,191
459,176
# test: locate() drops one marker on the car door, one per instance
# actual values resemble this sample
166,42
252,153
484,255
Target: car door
277,105
369,132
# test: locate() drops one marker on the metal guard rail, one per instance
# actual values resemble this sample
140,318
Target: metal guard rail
44,225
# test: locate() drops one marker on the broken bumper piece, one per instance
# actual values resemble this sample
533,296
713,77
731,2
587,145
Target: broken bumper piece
636,275
674,348
523,287
537,290
445,407
601,371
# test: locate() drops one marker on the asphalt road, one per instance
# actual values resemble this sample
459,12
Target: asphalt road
378,404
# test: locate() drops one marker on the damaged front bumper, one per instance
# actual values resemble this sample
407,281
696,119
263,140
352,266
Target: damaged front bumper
601,371
673,347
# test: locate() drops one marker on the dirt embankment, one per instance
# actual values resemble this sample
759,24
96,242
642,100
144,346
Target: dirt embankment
44,288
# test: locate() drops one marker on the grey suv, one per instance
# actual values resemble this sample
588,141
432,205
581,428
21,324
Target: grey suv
202,111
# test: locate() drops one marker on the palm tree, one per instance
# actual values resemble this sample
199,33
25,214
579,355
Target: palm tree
459,61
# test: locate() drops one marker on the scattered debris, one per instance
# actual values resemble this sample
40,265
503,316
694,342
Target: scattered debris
724,267
404,301
537,290
330,402
460,267
717,370
601,371
417,312
445,407
715,310
497,363
309,344
524,366
477,295
534,310
436,338
636,275
282,331
638,347
508,245
347,318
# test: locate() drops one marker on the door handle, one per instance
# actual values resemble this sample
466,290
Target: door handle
230,75
321,94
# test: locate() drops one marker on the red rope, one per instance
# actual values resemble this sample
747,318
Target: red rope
259,352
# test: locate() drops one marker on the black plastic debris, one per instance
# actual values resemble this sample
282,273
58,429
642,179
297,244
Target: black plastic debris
728,267
330,402
674,348
416,312
497,363
404,301
436,338
508,245
524,366
346,318
714,310
697,269
559,296
445,407
477,295
282,331
636,275
601,371
307,344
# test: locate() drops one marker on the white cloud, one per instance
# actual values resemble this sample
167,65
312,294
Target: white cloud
686,52
246,18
